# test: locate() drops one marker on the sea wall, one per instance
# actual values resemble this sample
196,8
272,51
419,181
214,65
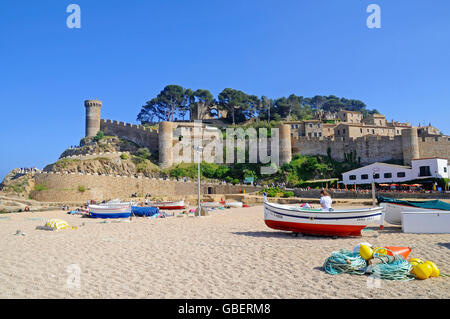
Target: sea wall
81,187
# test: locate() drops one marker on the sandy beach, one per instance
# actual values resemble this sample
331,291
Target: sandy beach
229,254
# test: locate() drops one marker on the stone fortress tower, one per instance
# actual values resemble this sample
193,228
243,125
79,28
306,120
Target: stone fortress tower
165,144
410,145
285,143
93,108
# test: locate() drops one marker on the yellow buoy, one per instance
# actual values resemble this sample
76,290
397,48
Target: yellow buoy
423,271
416,260
380,251
413,263
435,270
366,252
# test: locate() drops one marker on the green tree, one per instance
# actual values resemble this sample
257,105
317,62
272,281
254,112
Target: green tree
143,153
171,100
265,108
234,102
202,103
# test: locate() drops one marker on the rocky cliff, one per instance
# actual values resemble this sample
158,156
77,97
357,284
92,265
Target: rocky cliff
18,182
109,155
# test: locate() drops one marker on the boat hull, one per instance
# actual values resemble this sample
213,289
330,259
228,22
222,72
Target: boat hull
109,215
169,205
394,212
317,222
97,211
234,204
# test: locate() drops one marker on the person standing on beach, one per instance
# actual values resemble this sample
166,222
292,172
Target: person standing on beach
325,200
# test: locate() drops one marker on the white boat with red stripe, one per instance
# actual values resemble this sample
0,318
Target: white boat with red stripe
343,222
168,205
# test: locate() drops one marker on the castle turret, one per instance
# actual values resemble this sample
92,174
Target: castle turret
165,144
285,143
410,145
93,108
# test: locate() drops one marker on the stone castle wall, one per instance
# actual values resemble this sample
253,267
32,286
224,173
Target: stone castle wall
438,146
135,133
370,148
65,187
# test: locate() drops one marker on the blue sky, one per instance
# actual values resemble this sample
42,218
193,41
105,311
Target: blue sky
127,51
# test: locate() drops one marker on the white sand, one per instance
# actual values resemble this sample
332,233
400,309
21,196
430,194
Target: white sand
231,254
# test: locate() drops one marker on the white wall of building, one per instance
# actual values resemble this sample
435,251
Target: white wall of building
438,167
389,173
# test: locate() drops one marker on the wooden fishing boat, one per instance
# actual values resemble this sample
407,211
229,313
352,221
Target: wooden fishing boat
117,203
394,208
346,222
113,211
168,205
233,204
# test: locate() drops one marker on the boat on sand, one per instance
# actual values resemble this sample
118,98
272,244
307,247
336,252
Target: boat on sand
230,204
342,222
110,211
168,205
394,208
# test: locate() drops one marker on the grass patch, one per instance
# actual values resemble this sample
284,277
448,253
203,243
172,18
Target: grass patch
81,188
40,187
65,162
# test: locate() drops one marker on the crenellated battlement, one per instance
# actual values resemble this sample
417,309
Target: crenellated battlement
92,103
437,138
138,134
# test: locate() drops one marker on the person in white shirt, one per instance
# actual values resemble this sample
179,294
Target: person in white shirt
325,200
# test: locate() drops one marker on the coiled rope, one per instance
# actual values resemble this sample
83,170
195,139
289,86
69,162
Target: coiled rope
396,268
345,261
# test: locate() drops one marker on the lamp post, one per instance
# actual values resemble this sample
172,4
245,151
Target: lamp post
374,172
199,149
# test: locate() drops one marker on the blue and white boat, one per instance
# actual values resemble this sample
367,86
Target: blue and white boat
115,210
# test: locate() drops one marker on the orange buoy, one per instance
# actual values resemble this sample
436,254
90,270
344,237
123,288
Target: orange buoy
402,251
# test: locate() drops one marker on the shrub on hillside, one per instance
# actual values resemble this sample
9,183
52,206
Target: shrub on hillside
99,136
40,187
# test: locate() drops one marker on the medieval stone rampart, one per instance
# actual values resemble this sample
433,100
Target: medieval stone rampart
436,146
81,187
369,148
138,134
